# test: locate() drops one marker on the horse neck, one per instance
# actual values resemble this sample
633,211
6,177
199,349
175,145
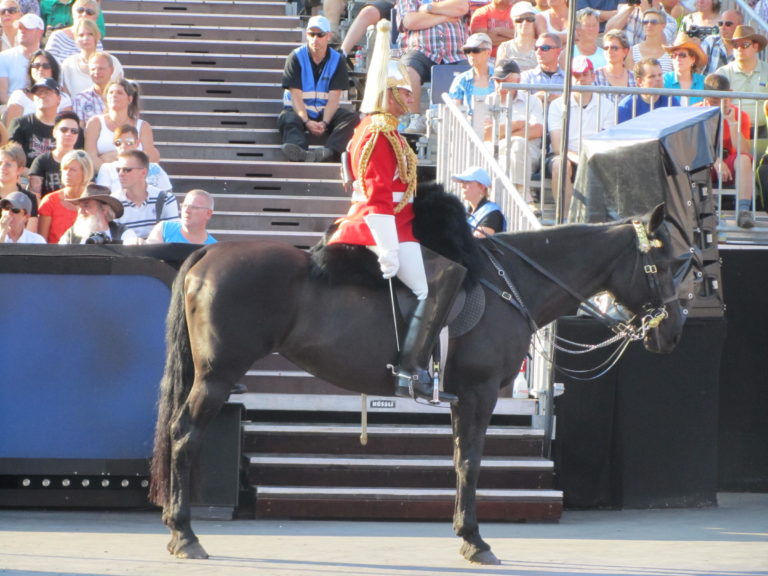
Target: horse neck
586,258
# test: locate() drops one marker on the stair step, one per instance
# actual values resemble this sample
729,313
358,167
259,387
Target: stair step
170,105
258,185
221,90
197,6
277,221
248,169
132,59
205,74
404,504
301,240
210,33
430,440
221,151
281,204
119,42
194,20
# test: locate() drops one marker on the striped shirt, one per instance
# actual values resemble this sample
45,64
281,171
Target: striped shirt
442,43
141,219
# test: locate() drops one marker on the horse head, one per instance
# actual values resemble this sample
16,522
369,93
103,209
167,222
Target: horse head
658,303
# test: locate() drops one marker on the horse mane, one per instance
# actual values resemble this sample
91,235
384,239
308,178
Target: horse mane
440,225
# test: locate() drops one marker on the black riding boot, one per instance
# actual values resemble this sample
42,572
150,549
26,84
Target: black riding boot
413,379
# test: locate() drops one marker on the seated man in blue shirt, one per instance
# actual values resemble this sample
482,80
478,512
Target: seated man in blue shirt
648,74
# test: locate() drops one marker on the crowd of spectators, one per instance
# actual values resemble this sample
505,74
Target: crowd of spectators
660,44
77,162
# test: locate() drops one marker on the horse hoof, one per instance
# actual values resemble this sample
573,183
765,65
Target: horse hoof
486,557
192,551
479,556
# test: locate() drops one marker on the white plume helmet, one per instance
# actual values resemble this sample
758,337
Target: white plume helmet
383,73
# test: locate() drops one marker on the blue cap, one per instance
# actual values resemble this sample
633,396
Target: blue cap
474,174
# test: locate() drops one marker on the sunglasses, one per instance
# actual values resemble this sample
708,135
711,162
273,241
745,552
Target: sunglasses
545,47
40,66
743,44
125,169
613,48
522,19
13,210
88,11
66,130
11,10
646,22
679,55
317,34
126,141
725,23
474,50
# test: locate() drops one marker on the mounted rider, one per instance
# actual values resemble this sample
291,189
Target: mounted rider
381,216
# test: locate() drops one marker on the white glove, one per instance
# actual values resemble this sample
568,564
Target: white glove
384,233
389,261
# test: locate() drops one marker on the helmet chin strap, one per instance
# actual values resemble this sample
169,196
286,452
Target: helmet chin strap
399,100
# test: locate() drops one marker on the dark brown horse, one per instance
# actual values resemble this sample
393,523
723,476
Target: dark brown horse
235,302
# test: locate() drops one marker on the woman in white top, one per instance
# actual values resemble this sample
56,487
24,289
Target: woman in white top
75,76
554,19
522,48
122,108
41,65
10,12
707,14
61,43
653,45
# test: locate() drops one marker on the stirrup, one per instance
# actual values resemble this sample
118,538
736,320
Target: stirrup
419,386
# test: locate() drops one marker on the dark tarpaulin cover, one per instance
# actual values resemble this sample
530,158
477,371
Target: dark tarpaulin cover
630,168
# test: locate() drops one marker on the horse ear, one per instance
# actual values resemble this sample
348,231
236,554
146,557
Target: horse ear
657,217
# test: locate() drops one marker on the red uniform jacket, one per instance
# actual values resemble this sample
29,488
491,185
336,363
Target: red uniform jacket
379,156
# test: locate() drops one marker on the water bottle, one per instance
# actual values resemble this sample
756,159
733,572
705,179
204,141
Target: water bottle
520,386
360,59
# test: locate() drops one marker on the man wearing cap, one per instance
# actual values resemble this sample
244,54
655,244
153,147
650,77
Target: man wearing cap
15,210
314,78
648,74
719,52
96,212
485,217
747,73
589,114
526,127
548,73
14,61
381,216
432,32
495,20
476,83
34,132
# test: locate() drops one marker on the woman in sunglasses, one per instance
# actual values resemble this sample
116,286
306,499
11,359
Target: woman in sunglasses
61,43
10,12
615,72
522,48
45,172
653,45
688,60
42,65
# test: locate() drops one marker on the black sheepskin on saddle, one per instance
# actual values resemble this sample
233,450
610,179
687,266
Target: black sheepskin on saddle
440,225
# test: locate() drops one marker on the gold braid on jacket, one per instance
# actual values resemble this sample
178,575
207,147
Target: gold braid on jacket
386,124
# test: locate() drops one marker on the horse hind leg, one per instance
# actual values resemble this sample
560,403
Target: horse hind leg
187,430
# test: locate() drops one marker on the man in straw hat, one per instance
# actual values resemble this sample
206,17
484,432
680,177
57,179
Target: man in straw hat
747,73
381,216
96,210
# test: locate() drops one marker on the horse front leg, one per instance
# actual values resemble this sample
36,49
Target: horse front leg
186,435
470,418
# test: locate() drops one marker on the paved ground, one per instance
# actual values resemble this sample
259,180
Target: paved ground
729,540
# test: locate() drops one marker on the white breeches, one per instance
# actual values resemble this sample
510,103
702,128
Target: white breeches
411,271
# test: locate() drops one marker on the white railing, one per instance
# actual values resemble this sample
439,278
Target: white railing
458,147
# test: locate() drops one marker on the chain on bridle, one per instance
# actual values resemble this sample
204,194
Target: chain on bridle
633,329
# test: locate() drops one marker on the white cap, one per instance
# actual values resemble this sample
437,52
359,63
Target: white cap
522,8
320,22
32,22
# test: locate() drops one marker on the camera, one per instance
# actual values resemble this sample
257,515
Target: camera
99,238
700,32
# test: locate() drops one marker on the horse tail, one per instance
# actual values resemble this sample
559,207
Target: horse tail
176,383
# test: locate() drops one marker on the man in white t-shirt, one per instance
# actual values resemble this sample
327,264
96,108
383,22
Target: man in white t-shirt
14,61
590,114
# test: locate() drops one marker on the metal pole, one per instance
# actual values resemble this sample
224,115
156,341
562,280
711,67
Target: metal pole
560,200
